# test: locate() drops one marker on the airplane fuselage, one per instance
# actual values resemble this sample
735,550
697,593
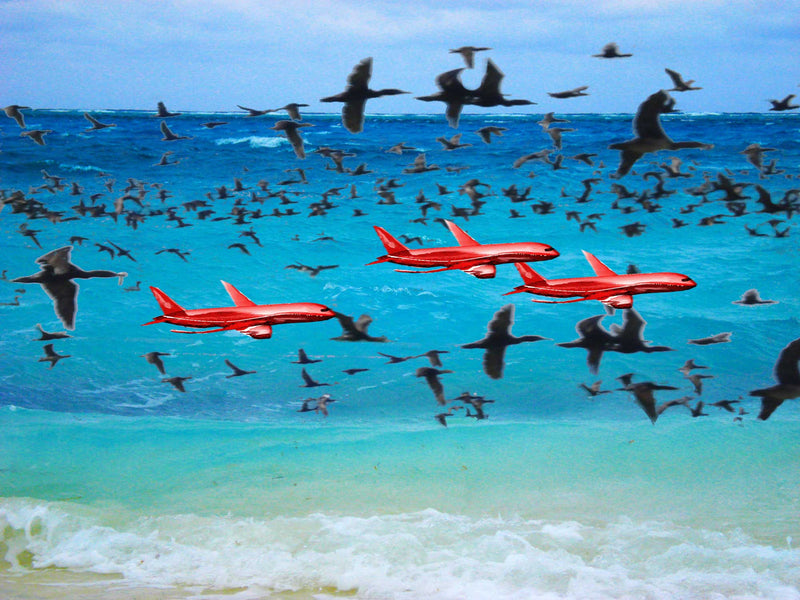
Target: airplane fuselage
265,314
490,254
635,283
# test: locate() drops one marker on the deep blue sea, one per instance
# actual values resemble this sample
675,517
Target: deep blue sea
115,484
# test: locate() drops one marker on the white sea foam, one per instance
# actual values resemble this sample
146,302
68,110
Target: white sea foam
423,554
255,141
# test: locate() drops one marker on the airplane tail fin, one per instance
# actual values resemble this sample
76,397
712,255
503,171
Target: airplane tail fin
239,299
599,268
529,276
462,237
167,304
389,242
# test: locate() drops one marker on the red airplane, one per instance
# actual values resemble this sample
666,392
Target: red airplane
611,289
247,317
469,256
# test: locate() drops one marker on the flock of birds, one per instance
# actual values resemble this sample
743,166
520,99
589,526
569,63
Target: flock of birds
57,273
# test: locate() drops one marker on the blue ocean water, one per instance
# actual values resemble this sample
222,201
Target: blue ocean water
114,483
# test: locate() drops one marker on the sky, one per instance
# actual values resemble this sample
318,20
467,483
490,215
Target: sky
212,55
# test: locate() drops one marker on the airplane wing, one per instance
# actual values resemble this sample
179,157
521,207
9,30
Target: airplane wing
461,266
238,325
601,295
462,237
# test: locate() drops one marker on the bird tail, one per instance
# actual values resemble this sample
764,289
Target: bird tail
167,304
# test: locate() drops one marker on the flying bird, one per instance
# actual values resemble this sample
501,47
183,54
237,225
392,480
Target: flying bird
290,130
785,104
431,375
154,358
788,377
356,94
650,135
55,277
14,111
96,125
719,338
452,92
169,136
594,338
679,83
611,50
164,113
292,109
237,372
643,393
468,54
308,381
52,356
176,382
498,338
356,331
37,135
751,298
573,93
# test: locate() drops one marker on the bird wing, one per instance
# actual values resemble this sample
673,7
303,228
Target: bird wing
768,406
493,361
353,115
647,402
786,369
632,327
502,320
307,378
677,80
647,122
296,141
490,84
362,323
64,294
360,75
627,158
166,131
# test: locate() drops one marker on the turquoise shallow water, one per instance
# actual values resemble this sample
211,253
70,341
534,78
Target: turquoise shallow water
107,471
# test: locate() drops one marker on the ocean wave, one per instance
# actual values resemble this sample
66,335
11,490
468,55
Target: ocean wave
80,168
255,141
422,554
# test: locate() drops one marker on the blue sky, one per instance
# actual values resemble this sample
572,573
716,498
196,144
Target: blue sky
211,55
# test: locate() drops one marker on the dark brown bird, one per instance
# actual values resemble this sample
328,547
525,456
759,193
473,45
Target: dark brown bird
356,94
431,375
154,358
356,331
498,338
237,372
468,54
290,130
788,377
176,382
650,135
55,277
52,356
611,50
